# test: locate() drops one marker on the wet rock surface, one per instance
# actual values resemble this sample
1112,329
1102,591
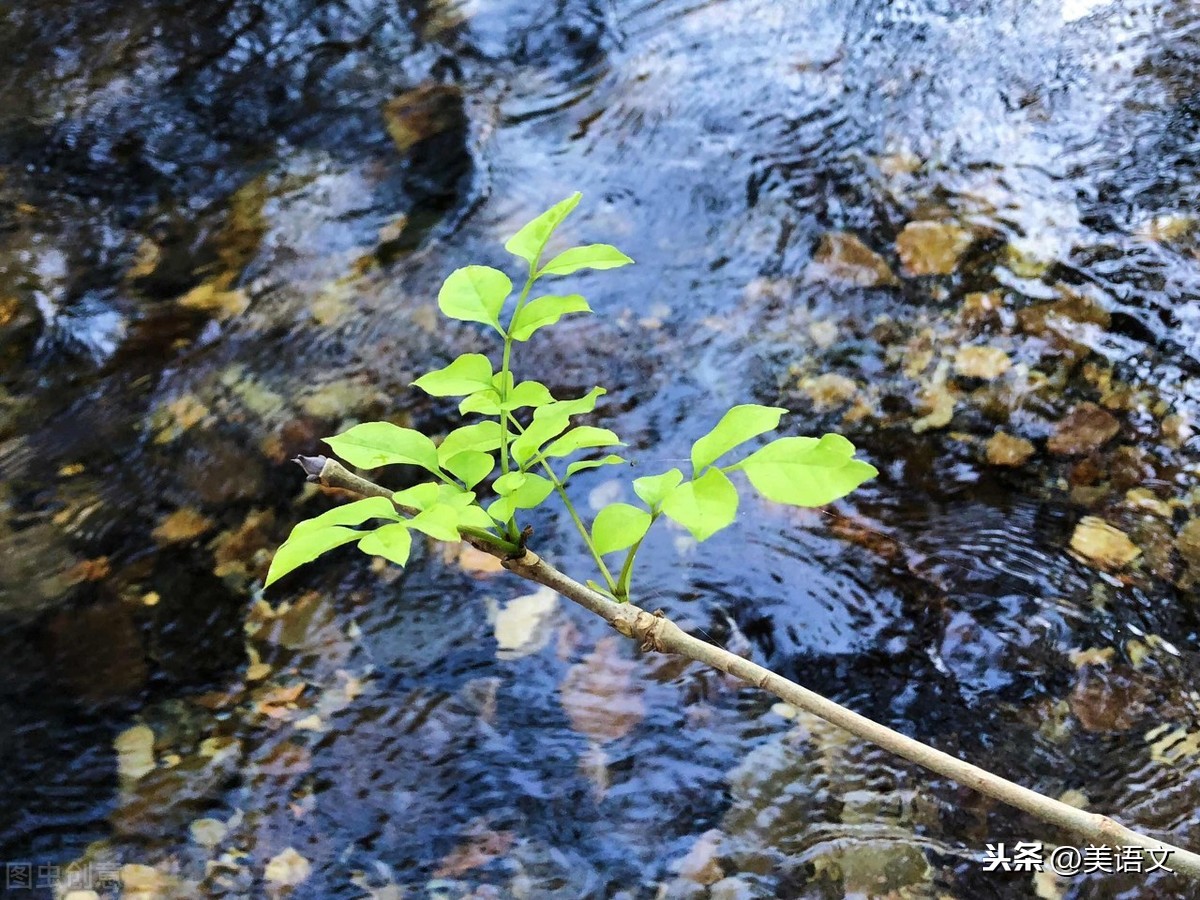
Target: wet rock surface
960,239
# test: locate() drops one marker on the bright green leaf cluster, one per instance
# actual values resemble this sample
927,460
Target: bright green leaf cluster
475,294
375,444
525,431
545,311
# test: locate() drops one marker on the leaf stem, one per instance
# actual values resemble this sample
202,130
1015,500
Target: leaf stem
486,537
504,379
562,493
583,532
626,576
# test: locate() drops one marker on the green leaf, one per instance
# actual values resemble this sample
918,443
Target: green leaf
545,311
526,488
619,526
454,496
482,436
486,403
590,256
549,421
653,489
736,427
528,394
305,545
350,514
519,493
508,483
611,460
474,517
392,542
703,506
419,497
581,438
804,471
475,294
440,522
471,466
579,406
530,241
534,490
502,509
540,430
469,373
373,444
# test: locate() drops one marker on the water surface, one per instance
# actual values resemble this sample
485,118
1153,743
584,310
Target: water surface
224,227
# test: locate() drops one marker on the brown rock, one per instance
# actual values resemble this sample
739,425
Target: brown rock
98,651
1176,430
1064,324
480,846
1154,535
841,258
181,526
1129,467
1188,543
37,568
287,869
237,552
931,248
701,864
981,362
145,259
1008,450
600,695
1168,228
421,113
140,882
829,390
1082,430
216,297
1102,544
1107,701
221,470
1086,472
980,308
9,307
937,404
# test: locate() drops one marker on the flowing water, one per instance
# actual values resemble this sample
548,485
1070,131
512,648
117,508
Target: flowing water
224,225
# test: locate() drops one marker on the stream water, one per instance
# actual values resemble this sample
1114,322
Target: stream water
222,229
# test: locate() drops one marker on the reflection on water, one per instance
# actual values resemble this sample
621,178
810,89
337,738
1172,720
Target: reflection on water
223,227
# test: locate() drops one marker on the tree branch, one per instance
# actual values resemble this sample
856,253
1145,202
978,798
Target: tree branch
655,632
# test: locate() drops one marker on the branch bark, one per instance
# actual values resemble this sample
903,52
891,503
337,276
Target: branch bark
655,632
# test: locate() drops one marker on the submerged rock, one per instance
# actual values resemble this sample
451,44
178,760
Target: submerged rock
981,308
841,258
1102,544
1104,700
135,752
35,570
421,113
1084,429
601,696
829,390
182,526
287,869
1187,542
98,651
981,362
1067,325
931,248
1007,450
